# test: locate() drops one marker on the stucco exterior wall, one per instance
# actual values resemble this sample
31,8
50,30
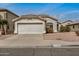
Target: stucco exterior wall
29,21
59,25
10,17
76,27
66,23
54,22
3,15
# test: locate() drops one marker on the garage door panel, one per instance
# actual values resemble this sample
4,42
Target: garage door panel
30,28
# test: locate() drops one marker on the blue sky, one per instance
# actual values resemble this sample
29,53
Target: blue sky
62,11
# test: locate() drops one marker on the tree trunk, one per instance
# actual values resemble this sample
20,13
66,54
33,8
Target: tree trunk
5,29
1,29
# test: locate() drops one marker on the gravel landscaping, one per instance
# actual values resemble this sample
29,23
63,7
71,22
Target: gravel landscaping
65,36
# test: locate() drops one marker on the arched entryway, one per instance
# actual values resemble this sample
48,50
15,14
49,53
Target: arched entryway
49,28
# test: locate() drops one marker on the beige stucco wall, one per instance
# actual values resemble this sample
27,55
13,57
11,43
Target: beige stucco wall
3,15
66,23
54,22
76,27
59,25
10,17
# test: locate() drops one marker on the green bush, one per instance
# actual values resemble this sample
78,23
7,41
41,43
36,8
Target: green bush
49,30
64,28
67,29
3,25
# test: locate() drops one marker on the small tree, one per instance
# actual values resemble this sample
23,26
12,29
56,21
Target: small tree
62,28
4,24
67,29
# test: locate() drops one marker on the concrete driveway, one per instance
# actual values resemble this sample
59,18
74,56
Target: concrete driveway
23,40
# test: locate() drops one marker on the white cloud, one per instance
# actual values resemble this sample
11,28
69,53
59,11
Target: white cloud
74,14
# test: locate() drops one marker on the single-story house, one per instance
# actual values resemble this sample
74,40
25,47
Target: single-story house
34,24
66,22
74,26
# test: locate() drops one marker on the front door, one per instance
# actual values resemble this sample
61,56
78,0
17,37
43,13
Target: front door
49,28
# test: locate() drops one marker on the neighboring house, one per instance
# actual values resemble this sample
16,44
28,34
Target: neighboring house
8,15
74,26
66,22
34,24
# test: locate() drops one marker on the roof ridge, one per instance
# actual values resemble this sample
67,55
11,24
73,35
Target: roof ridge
4,9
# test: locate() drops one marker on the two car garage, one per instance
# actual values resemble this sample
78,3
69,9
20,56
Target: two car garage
31,25
30,28
34,24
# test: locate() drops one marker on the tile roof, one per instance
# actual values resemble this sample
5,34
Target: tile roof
41,17
74,22
67,21
3,9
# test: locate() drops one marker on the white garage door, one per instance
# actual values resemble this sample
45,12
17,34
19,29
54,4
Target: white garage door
31,28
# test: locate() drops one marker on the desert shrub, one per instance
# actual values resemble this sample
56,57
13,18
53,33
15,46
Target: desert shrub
77,33
64,28
49,30
67,29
